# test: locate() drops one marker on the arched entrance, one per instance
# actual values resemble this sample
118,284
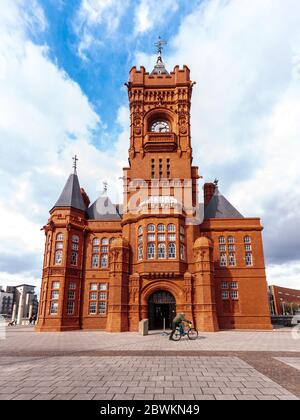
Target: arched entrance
161,306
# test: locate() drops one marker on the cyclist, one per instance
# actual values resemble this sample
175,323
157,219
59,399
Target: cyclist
178,322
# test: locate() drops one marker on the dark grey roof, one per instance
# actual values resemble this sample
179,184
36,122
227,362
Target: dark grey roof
104,209
220,208
71,195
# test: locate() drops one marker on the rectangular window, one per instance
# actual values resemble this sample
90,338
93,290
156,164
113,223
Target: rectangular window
231,259
93,295
161,253
72,286
70,308
223,259
93,308
71,295
233,285
102,296
104,260
172,237
225,295
55,285
53,308
151,251
95,261
161,237
234,294
93,286
140,252
222,248
55,295
74,258
247,247
249,261
102,308
182,251
103,286
231,248
224,285
75,247
104,249
151,237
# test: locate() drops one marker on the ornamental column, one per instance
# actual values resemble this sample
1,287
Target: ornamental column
117,318
204,288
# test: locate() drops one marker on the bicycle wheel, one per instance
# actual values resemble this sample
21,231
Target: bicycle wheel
176,335
193,334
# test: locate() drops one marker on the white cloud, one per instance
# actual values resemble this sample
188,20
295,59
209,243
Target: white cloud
153,13
45,119
95,14
246,111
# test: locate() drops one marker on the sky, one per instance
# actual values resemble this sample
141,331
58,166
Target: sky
63,65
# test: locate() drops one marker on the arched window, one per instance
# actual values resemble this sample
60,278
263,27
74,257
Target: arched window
151,228
74,253
140,252
223,259
110,241
171,228
161,251
222,240
104,260
161,228
151,251
59,245
104,241
247,239
171,250
232,259
230,239
96,241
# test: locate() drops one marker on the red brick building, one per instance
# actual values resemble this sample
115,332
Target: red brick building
284,301
109,266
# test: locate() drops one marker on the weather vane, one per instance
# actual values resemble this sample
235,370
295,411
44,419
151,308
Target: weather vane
159,44
105,187
75,160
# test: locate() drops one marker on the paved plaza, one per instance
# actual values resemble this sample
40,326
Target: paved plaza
102,366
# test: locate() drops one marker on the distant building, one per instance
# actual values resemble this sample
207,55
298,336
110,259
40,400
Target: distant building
18,302
284,301
6,302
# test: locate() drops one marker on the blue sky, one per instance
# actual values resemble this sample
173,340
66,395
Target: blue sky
63,65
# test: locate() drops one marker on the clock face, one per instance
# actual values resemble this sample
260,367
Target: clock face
160,127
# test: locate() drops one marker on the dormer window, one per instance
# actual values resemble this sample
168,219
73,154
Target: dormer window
160,127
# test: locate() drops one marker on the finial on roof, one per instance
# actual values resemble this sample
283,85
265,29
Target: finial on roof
105,188
75,160
159,44
216,182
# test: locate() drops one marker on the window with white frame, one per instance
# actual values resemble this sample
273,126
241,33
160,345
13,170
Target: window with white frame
92,308
249,259
74,258
234,294
225,294
222,240
161,250
55,285
171,250
247,239
140,243
70,308
151,251
151,228
232,261
230,239
53,308
233,285
224,285
223,259
74,253
161,228
140,252
171,228
72,286
71,295
98,297
101,252
93,286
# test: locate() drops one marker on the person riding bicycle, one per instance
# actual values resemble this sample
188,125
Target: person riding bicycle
178,322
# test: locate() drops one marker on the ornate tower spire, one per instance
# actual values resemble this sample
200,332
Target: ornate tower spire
75,160
159,67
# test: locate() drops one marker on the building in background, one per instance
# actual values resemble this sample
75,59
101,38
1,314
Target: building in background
6,302
109,266
19,302
284,301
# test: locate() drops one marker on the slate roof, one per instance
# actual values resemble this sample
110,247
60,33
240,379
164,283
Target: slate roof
159,68
104,209
71,195
220,208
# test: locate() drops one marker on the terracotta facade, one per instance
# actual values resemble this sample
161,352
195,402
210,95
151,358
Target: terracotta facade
109,266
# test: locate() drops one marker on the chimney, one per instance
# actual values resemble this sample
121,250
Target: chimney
85,197
209,190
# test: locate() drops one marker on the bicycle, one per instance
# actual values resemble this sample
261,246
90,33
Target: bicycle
180,331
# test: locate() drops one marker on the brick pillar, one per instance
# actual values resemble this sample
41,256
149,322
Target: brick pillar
188,296
134,302
209,190
117,319
204,289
